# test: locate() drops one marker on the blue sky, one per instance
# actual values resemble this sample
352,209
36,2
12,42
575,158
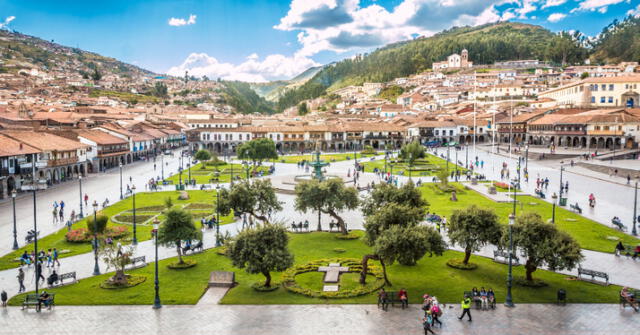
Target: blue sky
258,40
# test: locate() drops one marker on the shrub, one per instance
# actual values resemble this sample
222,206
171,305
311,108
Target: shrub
188,263
259,286
501,185
81,235
99,225
368,150
339,250
132,280
458,264
349,236
168,202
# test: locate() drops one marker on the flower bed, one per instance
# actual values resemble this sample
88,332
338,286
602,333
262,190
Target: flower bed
132,280
501,185
158,208
187,263
458,264
199,205
82,235
128,219
355,265
259,286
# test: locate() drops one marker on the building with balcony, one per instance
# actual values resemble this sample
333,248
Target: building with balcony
15,164
106,151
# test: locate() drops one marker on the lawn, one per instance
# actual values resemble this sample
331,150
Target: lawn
427,166
589,234
150,200
222,172
431,275
325,157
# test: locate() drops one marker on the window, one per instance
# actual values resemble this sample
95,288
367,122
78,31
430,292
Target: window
602,99
610,99
603,87
437,132
593,99
610,87
595,88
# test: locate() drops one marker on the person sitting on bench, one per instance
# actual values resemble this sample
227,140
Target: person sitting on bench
629,297
53,278
45,299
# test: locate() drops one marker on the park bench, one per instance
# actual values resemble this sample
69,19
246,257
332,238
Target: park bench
432,218
333,225
392,298
576,208
194,248
540,194
477,303
633,303
593,274
62,277
501,256
205,187
618,224
138,262
628,251
32,300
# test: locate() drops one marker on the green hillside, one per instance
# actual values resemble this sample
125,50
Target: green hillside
273,90
240,96
486,44
619,42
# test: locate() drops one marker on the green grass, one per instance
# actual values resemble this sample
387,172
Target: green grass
431,163
204,176
57,239
431,275
329,158
589,234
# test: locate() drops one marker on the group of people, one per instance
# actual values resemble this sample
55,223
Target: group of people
58,211
51,257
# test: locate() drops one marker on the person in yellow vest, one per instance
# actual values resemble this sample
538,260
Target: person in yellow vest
466,308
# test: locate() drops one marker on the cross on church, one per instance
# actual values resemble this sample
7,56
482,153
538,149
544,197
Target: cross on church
332,272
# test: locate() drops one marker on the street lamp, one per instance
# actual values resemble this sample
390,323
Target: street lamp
456,179
635,213
554,197
15,232
526,158
162,165
561,186
189,169
80,184
121,196
447,157
180,172
509,300
156,301
133,193
96,268
35,229
218,215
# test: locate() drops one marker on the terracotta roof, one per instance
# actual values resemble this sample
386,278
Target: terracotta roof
10,147
44,141
550,119
100,137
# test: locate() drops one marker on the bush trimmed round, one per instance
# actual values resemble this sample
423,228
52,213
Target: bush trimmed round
132,280
259,286
349,236
458,264
339,250
536,283
188,263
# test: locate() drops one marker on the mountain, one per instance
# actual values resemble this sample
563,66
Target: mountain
23,51
486,44
244,99
274,89
618,42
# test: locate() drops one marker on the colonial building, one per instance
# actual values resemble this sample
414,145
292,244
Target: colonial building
454,61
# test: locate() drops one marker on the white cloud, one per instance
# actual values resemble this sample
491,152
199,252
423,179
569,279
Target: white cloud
555,17
634,12
6,21
527,7
177,22
593,5
273,67
553,3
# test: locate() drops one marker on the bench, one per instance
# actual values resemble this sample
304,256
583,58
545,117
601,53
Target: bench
576,208
62,277
628,251
618,224
32,300
194,248
392,298
593,275
477,303
300,226
540,194
634,303
333,225
138,262
501,256
432,218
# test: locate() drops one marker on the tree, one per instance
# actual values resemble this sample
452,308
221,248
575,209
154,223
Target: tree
117,256
472,228
261,250
584,75
202,155
160,90
303,109
543,244
257,197
383,194
258,150
178,226
443,177
102,221
96,75
412,152
329,196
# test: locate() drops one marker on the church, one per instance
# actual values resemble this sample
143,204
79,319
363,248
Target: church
454,61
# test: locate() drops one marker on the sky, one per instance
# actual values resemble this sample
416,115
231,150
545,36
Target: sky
262,40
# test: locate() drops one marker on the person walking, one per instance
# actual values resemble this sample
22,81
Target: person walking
4,298
38,272
86,200
55,257
426,324
21,280
466,308
55,214
436,312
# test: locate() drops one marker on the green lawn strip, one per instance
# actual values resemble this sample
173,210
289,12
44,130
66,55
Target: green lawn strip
330,158
204,176
401,168
143,231
589,234
431,275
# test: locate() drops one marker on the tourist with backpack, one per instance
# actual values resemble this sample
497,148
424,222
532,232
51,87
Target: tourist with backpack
426,324
436,313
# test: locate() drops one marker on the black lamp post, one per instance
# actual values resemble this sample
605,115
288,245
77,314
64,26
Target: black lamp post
386,156
96,268
133,193
447,157
218,215
35,229
162,165
466,155
189,171
456,179
156,301
121,195
554,197
635,213
509,299
15,232
80,184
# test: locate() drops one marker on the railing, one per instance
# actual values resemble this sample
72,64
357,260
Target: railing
606,132
62,161
4,172
571,132
110,151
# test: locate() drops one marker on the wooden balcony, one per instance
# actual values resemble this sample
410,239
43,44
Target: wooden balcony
605,132
62,161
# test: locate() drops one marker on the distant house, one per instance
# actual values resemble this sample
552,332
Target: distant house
454,61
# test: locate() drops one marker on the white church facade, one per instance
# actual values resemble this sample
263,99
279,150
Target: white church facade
454,61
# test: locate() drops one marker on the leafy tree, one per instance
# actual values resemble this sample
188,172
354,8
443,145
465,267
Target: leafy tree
101,221
203,155
391,93
443,177
383,194
261,250
412,152
160,90
543,244
258,150
96,75
329,196
584,75
303,109
472,228
117,256
177,227
257,197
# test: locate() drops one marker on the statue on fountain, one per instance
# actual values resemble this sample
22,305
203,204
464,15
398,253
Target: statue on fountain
317,164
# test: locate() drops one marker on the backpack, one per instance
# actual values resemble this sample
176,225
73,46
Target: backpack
436,310
426,324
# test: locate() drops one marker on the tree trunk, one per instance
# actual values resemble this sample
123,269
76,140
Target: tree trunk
267,275
120,278
530,269
384,273
180,261
341,224
467,255
319,225
365,267
262,218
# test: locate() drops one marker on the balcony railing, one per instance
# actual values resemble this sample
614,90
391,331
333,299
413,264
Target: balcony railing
606,132
571,132
62,161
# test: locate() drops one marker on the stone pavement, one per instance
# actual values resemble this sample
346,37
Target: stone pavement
317,319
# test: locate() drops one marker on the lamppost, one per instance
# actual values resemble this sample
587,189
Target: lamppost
162,165
561,170
554,197
156,301
96,268
80,184
15,232
447,157
526,159
133,193
180,172
189,171
121,196
456,179
466,155
509,299
218,215
635,213
35,228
